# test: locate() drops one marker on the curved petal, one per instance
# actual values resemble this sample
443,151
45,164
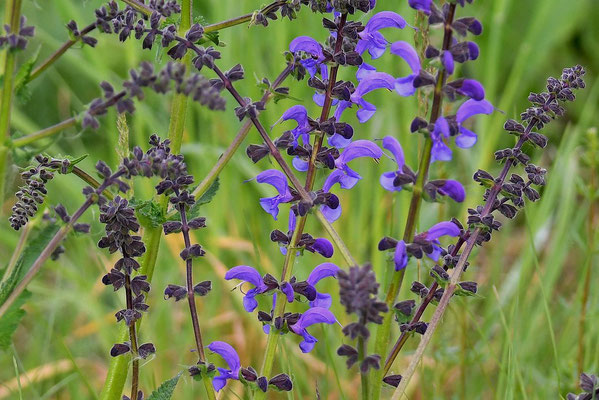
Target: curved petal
473,50
322,271
386,181
400,257
374,80
440,151
322,300
271,205
473,89
472,107
377,45
323,247
364,70
446,228
298,113
308,343
421,5
316,315
453,189
384,19
306,44
448,63
405,86
249,302
275,178
331,214
341,106
318,98
288,290
366,111
332,179
466,138
357,149
338,141
392,144
245,273
408,53
299,164
228,353
292,219
441,128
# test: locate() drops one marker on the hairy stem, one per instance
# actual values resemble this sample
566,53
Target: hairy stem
287,271
133,341
382,338
12,18
459,269
403,338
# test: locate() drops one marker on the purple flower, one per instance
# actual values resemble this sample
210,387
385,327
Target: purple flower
278,180
387,179
400,256
248,274
310,46
421,5
228,353
452,189
405,86
321,246
371,39
316,315
448,63
440,151
322,271
299,114
344,175
467,138
472,89
372,81
446,228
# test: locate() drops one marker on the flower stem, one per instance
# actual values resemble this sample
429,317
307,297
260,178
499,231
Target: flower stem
287,271
382,338
12,18
132,340
459,268
364,377
403,338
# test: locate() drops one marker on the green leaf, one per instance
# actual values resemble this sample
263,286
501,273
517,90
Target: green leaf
10,320
23,77
165,391
206,198
149,213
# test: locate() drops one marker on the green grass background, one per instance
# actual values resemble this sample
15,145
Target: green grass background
519,340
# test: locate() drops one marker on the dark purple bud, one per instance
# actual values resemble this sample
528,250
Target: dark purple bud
172,227
202,288
197,223
405,307
262,383
178,292
281,382
120,348
145,350
392,380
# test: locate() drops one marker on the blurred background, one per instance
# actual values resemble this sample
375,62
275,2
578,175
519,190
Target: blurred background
522,338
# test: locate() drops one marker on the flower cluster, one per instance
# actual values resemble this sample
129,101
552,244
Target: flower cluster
34,191
358,291
17,39
247,375
172,75
291,290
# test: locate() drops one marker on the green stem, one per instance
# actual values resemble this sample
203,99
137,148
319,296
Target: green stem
384,331
46,132
12,18
362,351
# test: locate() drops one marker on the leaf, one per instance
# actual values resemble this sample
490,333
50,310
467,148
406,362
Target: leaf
149,213
206,198
10,320
165,391
23,77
